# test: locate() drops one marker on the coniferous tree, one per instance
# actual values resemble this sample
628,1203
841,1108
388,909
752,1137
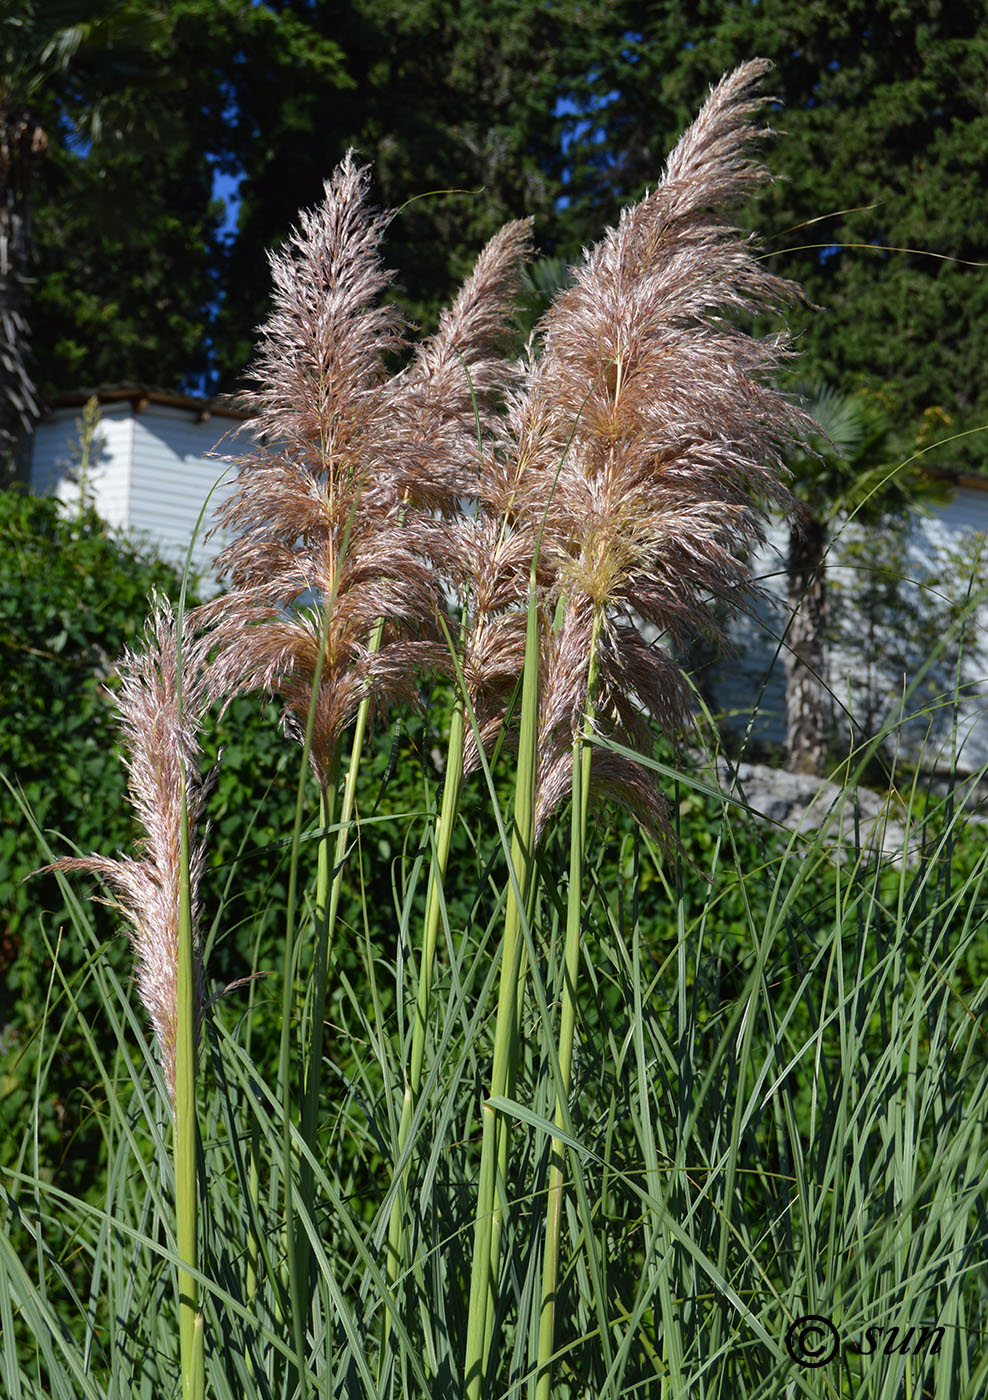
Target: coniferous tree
881,200
136,275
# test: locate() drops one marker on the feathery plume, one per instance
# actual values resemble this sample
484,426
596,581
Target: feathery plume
318,512
461,368
496,547
161,711
668,432
457,384
348,493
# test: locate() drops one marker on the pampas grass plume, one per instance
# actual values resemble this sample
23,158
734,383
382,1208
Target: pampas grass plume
161,709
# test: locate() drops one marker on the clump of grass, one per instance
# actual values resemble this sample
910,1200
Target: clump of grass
531,537
659,437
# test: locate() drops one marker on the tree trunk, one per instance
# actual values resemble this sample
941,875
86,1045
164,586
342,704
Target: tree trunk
22,143
808,710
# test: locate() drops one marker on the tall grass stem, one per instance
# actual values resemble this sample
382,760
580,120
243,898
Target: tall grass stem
582,758
445,826
191,1338
491,1206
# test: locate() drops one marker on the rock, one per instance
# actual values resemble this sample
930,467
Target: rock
800,802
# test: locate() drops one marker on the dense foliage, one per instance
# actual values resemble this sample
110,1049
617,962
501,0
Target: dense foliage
564,112
881,196
271,95
72,595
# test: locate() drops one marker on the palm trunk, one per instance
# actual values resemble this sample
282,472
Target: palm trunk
807,697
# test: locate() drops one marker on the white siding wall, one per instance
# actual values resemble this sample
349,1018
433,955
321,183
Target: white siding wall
153,475
52,457
172,478
966,512
960,519
749,678
750,681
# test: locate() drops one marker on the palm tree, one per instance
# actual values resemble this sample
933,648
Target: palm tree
848,468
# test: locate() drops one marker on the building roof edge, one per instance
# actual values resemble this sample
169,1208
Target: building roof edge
221,405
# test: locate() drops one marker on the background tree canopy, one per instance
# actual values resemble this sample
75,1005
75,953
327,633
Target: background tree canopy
565,111
882,198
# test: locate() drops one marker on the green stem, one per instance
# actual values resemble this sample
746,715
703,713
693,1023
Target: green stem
254,1195
186,1198
293,1267
296,1248
494,1144
329,884
452,783
310,1091
519,960
445,826
582,756
323,953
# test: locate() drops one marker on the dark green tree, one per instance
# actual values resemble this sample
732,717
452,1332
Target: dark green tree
133,263
882,197
456,106
563,111
64,65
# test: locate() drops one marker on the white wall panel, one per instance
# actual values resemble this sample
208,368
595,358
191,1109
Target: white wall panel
153,474
748,681
173,475
54,459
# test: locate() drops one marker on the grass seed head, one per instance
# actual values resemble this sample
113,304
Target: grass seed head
669,434
161,708
340,518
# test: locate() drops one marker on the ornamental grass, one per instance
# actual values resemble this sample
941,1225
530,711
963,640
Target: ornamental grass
472,1156
539,532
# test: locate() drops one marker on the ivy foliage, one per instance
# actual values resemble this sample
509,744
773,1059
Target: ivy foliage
72,596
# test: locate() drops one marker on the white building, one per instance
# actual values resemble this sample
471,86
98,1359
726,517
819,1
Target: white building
159,458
